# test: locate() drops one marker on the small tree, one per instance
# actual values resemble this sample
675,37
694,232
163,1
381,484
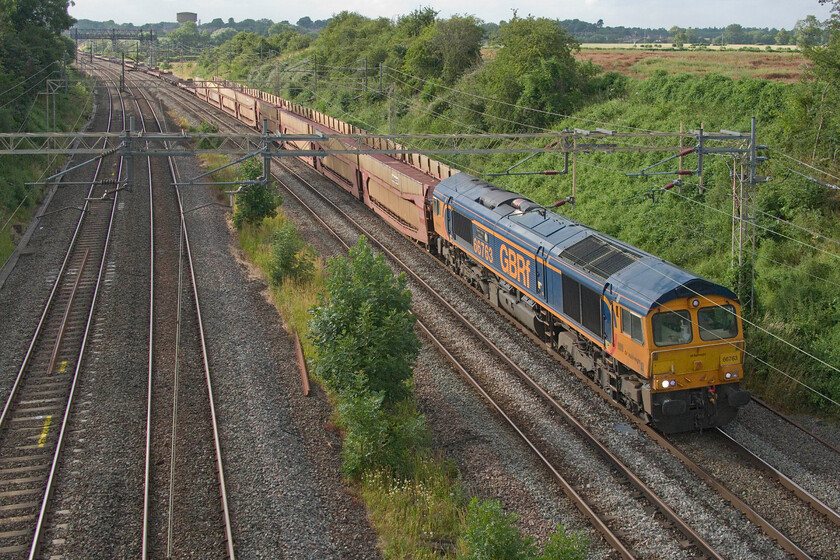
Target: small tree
290,256
364,330
256,201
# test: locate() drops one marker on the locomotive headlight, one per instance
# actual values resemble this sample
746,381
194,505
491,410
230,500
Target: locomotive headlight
695,303
728,375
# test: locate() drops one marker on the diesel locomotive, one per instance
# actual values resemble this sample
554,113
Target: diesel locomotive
664,342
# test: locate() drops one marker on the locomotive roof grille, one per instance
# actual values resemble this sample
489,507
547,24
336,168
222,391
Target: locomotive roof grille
598,256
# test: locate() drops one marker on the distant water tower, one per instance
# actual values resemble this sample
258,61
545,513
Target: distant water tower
184,17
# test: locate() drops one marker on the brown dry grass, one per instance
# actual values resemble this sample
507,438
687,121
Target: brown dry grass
778,66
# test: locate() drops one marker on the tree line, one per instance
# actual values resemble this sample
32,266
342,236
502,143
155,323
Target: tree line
807,31
31,45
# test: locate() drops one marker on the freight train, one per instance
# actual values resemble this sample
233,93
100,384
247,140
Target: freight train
665,343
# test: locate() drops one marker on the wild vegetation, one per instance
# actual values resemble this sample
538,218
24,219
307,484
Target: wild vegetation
365,347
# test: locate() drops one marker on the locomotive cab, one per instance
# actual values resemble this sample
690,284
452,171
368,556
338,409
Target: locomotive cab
696,351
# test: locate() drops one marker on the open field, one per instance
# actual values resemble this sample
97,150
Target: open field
667,46
782,66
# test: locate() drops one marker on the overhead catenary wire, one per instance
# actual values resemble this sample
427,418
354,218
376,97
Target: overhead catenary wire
789,238
804,164
763,257
38,83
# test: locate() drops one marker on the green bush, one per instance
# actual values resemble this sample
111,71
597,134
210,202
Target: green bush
376,438
492,534
364,336
364,330
290,256
256,201
207,143
566,546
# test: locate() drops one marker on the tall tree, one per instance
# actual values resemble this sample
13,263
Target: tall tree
30,33
808,32
534,67
446,49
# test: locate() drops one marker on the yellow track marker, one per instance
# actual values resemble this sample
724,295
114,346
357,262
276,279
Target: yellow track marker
63,367
45,430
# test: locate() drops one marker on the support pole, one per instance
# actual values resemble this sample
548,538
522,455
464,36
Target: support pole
266,154
700,152
129,157
574,171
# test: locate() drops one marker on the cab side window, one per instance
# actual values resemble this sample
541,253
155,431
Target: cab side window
631,325
437,207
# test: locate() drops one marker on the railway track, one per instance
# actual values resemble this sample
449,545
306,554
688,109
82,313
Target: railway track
796,425
787,543
185,506
36,415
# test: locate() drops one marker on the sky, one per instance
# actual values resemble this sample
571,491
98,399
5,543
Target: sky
629,13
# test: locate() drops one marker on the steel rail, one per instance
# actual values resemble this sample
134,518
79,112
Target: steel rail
796,424
231,554
63,326
734,500
39,528
56,284
219,462
800,492
217,443
144,546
